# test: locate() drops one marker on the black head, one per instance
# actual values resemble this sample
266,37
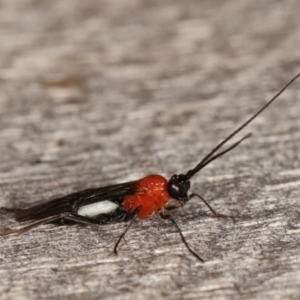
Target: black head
178,187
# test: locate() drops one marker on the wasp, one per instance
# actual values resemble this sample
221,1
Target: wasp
126,202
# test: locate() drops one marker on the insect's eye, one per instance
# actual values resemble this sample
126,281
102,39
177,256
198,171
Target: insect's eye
178,187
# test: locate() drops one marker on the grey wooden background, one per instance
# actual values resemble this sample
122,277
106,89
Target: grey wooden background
101,92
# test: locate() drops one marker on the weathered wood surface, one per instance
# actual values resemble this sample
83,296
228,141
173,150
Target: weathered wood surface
100,92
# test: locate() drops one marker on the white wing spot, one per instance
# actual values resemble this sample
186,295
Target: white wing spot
94,209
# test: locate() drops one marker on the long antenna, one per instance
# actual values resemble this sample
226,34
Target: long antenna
208,161
202,164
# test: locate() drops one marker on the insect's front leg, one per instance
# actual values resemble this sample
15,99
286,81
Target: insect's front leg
216,214
174,204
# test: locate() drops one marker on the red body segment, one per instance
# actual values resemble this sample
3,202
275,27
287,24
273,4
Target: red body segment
151,194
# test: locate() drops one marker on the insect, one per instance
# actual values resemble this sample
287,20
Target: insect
128,201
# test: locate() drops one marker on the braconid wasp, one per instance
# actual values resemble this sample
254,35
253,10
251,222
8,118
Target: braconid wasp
128,201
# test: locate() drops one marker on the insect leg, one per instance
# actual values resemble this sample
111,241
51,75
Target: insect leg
130,217
64,216
170,217
216,214
32,225
83,220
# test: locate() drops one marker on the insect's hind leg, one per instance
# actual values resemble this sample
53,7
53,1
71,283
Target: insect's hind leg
64,216
25,228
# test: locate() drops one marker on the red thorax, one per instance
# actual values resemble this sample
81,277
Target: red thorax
151,195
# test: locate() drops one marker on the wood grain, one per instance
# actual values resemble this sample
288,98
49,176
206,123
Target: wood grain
101,92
